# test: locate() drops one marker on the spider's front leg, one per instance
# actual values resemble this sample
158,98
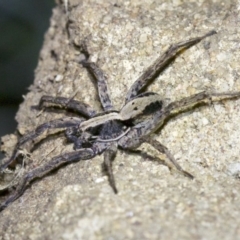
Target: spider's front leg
57,123
39,172
69,104
101,78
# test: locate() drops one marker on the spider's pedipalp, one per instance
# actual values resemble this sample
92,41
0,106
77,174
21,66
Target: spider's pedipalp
39,172
161,63
57,123
69,104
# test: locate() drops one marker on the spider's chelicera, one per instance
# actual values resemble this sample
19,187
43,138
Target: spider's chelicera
142,114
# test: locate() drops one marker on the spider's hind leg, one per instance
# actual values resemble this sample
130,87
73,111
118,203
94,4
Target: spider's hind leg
57,123
175,107
198,98
101,78
184,104
161,148
160,63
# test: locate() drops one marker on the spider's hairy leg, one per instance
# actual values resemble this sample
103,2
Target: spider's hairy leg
186,103
69,104
195,99
160,63
101,78
39,172
141,132
109,156
161,148
136,137
57,123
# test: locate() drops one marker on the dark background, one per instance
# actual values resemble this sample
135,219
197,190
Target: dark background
22,27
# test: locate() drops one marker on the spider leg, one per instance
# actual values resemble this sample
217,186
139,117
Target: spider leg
70,104
195,99
57,123
134,139
39,172
161,148
160,63
140,132
109,156
160,116
101,78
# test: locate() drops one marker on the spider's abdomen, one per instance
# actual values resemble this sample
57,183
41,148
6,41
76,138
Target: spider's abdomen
144,104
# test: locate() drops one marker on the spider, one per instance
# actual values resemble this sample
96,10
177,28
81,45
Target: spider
142,114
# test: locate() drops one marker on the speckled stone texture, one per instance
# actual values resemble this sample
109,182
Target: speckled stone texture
76,202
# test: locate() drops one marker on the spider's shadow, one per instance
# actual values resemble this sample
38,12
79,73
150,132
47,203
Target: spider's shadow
147,156
181,113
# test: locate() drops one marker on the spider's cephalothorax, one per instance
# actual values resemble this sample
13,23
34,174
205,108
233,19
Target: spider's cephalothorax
141,115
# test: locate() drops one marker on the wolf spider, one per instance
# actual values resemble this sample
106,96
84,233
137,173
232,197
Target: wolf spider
142,114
